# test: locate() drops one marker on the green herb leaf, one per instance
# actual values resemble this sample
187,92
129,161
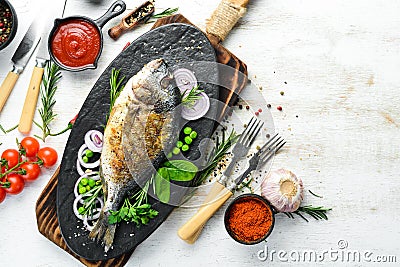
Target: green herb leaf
163,186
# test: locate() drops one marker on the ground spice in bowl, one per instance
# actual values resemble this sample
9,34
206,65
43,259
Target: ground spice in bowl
249,219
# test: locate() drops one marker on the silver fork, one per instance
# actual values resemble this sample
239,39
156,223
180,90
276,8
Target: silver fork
242,146
261,157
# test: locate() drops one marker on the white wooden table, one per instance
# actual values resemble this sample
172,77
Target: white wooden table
338,63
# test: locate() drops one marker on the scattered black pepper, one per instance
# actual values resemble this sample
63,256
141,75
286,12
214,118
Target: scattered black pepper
285,82
268,105
240,106
282,92
247,107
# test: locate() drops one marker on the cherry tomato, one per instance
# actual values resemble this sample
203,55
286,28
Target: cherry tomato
32,171
31,146
16,184
48,155
2,194
12,157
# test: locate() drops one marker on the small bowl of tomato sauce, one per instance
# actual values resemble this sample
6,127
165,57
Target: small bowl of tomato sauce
249,219
76,42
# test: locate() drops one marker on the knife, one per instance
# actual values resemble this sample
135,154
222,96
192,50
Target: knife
19,59
28,111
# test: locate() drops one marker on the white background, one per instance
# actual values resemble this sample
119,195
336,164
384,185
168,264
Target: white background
341,64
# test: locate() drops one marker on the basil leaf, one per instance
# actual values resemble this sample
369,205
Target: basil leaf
163,186
183,165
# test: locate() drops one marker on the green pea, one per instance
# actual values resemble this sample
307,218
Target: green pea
193,135
188,140
187,130
185,147
82,190
81,210
85,159
176,151
88,188
92,183
179,144
84,181
89,153
169,155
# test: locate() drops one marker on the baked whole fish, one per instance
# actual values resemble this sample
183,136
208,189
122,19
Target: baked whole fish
141,129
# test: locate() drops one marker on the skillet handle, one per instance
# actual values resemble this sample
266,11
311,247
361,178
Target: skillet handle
117,8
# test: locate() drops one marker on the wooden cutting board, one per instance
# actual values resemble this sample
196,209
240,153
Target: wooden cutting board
46,204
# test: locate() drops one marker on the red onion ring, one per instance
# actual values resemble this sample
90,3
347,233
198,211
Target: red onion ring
185,79
86,175
94,216
198,110
94,140
81,152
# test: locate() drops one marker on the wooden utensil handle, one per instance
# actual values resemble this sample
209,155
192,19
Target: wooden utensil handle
225,17
212,196
200,218
116,31
28,111
6,87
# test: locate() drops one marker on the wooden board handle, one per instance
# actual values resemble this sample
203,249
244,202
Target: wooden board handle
225,17
28,111
200,218
212,195
6,87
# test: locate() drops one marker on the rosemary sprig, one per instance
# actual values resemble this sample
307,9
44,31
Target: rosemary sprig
318,213
167,12
188,99
48,89
218,152
115,87
89,204
8,130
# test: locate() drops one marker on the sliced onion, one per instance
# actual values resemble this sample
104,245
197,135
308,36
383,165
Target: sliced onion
86,175
199,108
96,213
185,79
94,140
87,225
81,152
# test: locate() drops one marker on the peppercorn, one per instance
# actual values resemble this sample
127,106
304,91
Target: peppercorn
247,107
260,110
268,105
282,92
257,113
279,108
5,23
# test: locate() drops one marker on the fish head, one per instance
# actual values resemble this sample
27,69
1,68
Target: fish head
158,87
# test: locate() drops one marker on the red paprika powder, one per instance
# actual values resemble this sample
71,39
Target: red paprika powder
249,219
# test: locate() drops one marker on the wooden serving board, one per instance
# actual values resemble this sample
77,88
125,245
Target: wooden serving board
46,204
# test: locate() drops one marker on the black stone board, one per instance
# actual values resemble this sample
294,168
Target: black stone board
169,42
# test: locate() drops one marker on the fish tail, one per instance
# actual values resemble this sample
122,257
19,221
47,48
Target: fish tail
103,231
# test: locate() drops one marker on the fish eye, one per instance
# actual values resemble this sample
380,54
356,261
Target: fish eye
165,82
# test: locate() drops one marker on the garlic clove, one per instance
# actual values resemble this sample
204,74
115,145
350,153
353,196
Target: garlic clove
283,189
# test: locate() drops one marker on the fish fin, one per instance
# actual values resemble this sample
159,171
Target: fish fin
103,231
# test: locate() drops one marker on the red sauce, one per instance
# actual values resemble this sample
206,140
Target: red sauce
76,43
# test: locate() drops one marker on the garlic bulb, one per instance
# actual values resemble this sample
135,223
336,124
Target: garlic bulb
283,190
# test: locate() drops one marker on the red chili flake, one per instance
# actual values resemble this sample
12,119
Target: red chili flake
247,107
279,108
260,110
127,44
257,113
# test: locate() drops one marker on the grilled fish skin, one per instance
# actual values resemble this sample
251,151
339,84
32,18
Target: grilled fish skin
141,126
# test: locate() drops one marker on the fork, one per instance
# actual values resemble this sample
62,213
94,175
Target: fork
191,228
261,157
240,150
